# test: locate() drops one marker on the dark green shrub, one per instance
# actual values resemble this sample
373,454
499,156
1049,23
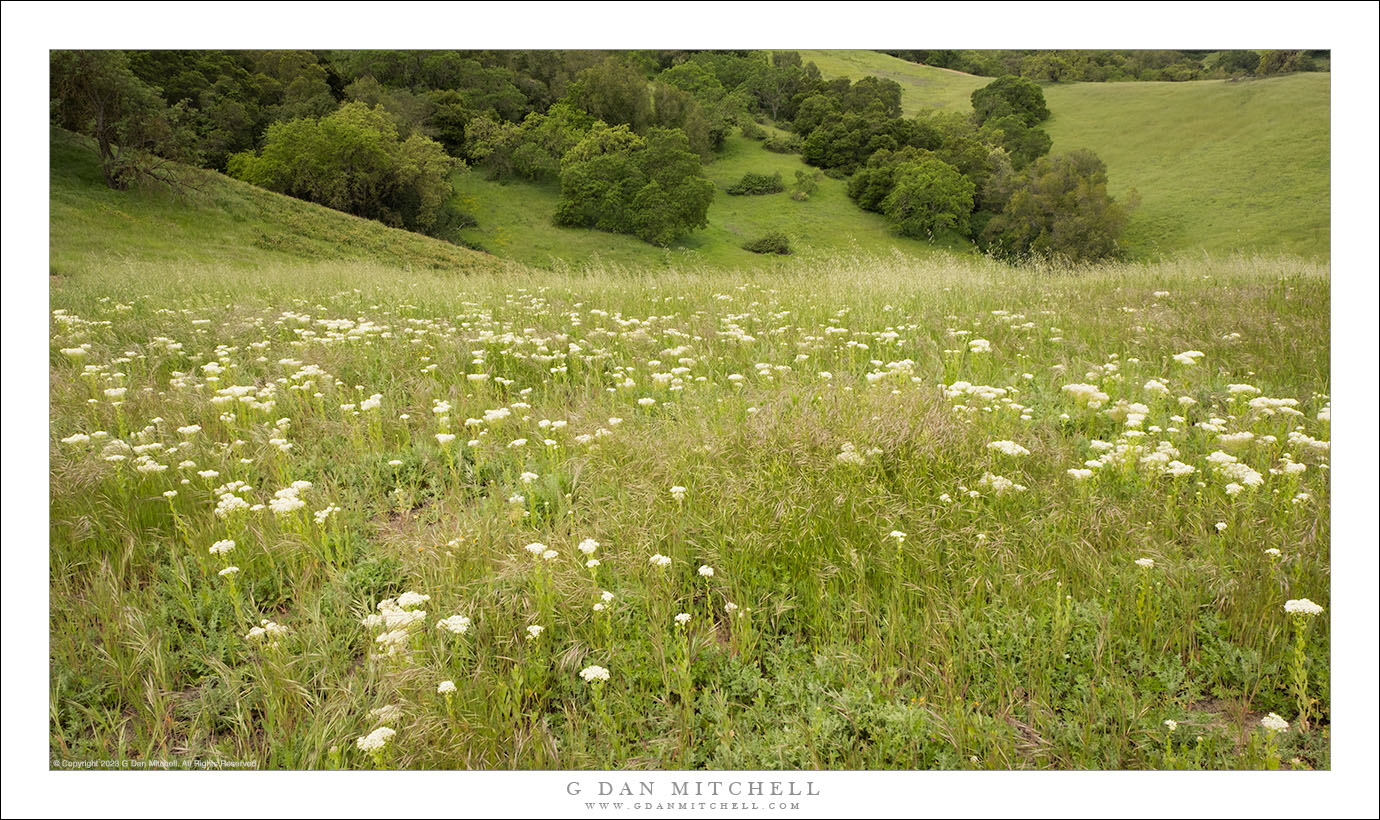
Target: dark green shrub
751,130
789,144
774,242
757,184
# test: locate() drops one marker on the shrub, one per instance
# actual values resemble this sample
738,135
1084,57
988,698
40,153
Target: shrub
751,130
757,184
788,144
774,242
806,183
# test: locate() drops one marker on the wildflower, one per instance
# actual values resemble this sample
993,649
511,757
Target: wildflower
1274,723
1172,724
660,560
455,624
267,631
1079,474
683,618
588,546
77,438
228,572
376,740
706,571
1221,526
534,631
445,687
678,493
550,555
1010,448
1189,357
1000,484
408,600
898,535
528,478
1145,563
536,548
594,674
1274,553
444,438
1302,606
222,547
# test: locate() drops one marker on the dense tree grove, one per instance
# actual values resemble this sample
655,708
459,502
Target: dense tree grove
1107,65
623,135
352,160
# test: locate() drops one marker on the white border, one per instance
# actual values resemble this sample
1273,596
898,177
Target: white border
30,29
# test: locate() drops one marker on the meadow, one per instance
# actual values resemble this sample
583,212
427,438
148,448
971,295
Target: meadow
414,507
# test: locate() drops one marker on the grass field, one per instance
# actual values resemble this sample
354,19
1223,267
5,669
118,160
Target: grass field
1219,166
515,222
861,513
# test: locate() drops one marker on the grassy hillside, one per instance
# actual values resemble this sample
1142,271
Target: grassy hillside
922,86
1219,166
222,222
515,221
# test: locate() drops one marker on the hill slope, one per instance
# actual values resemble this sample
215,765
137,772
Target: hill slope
1220,166
222,221
515,221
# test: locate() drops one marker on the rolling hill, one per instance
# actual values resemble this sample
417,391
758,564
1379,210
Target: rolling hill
1219,166
219,221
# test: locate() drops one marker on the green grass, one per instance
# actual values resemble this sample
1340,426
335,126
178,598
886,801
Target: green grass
1219,166
515,221
922,86
1006,630
217,221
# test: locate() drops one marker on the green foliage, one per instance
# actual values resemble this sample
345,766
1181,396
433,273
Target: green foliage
1057,209
411,113
1022,142
806,183
95,93
1277,61
785,144
615,92
652,187
353,161
775,242
1007,96
749,128
929,196
756,184
847,142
